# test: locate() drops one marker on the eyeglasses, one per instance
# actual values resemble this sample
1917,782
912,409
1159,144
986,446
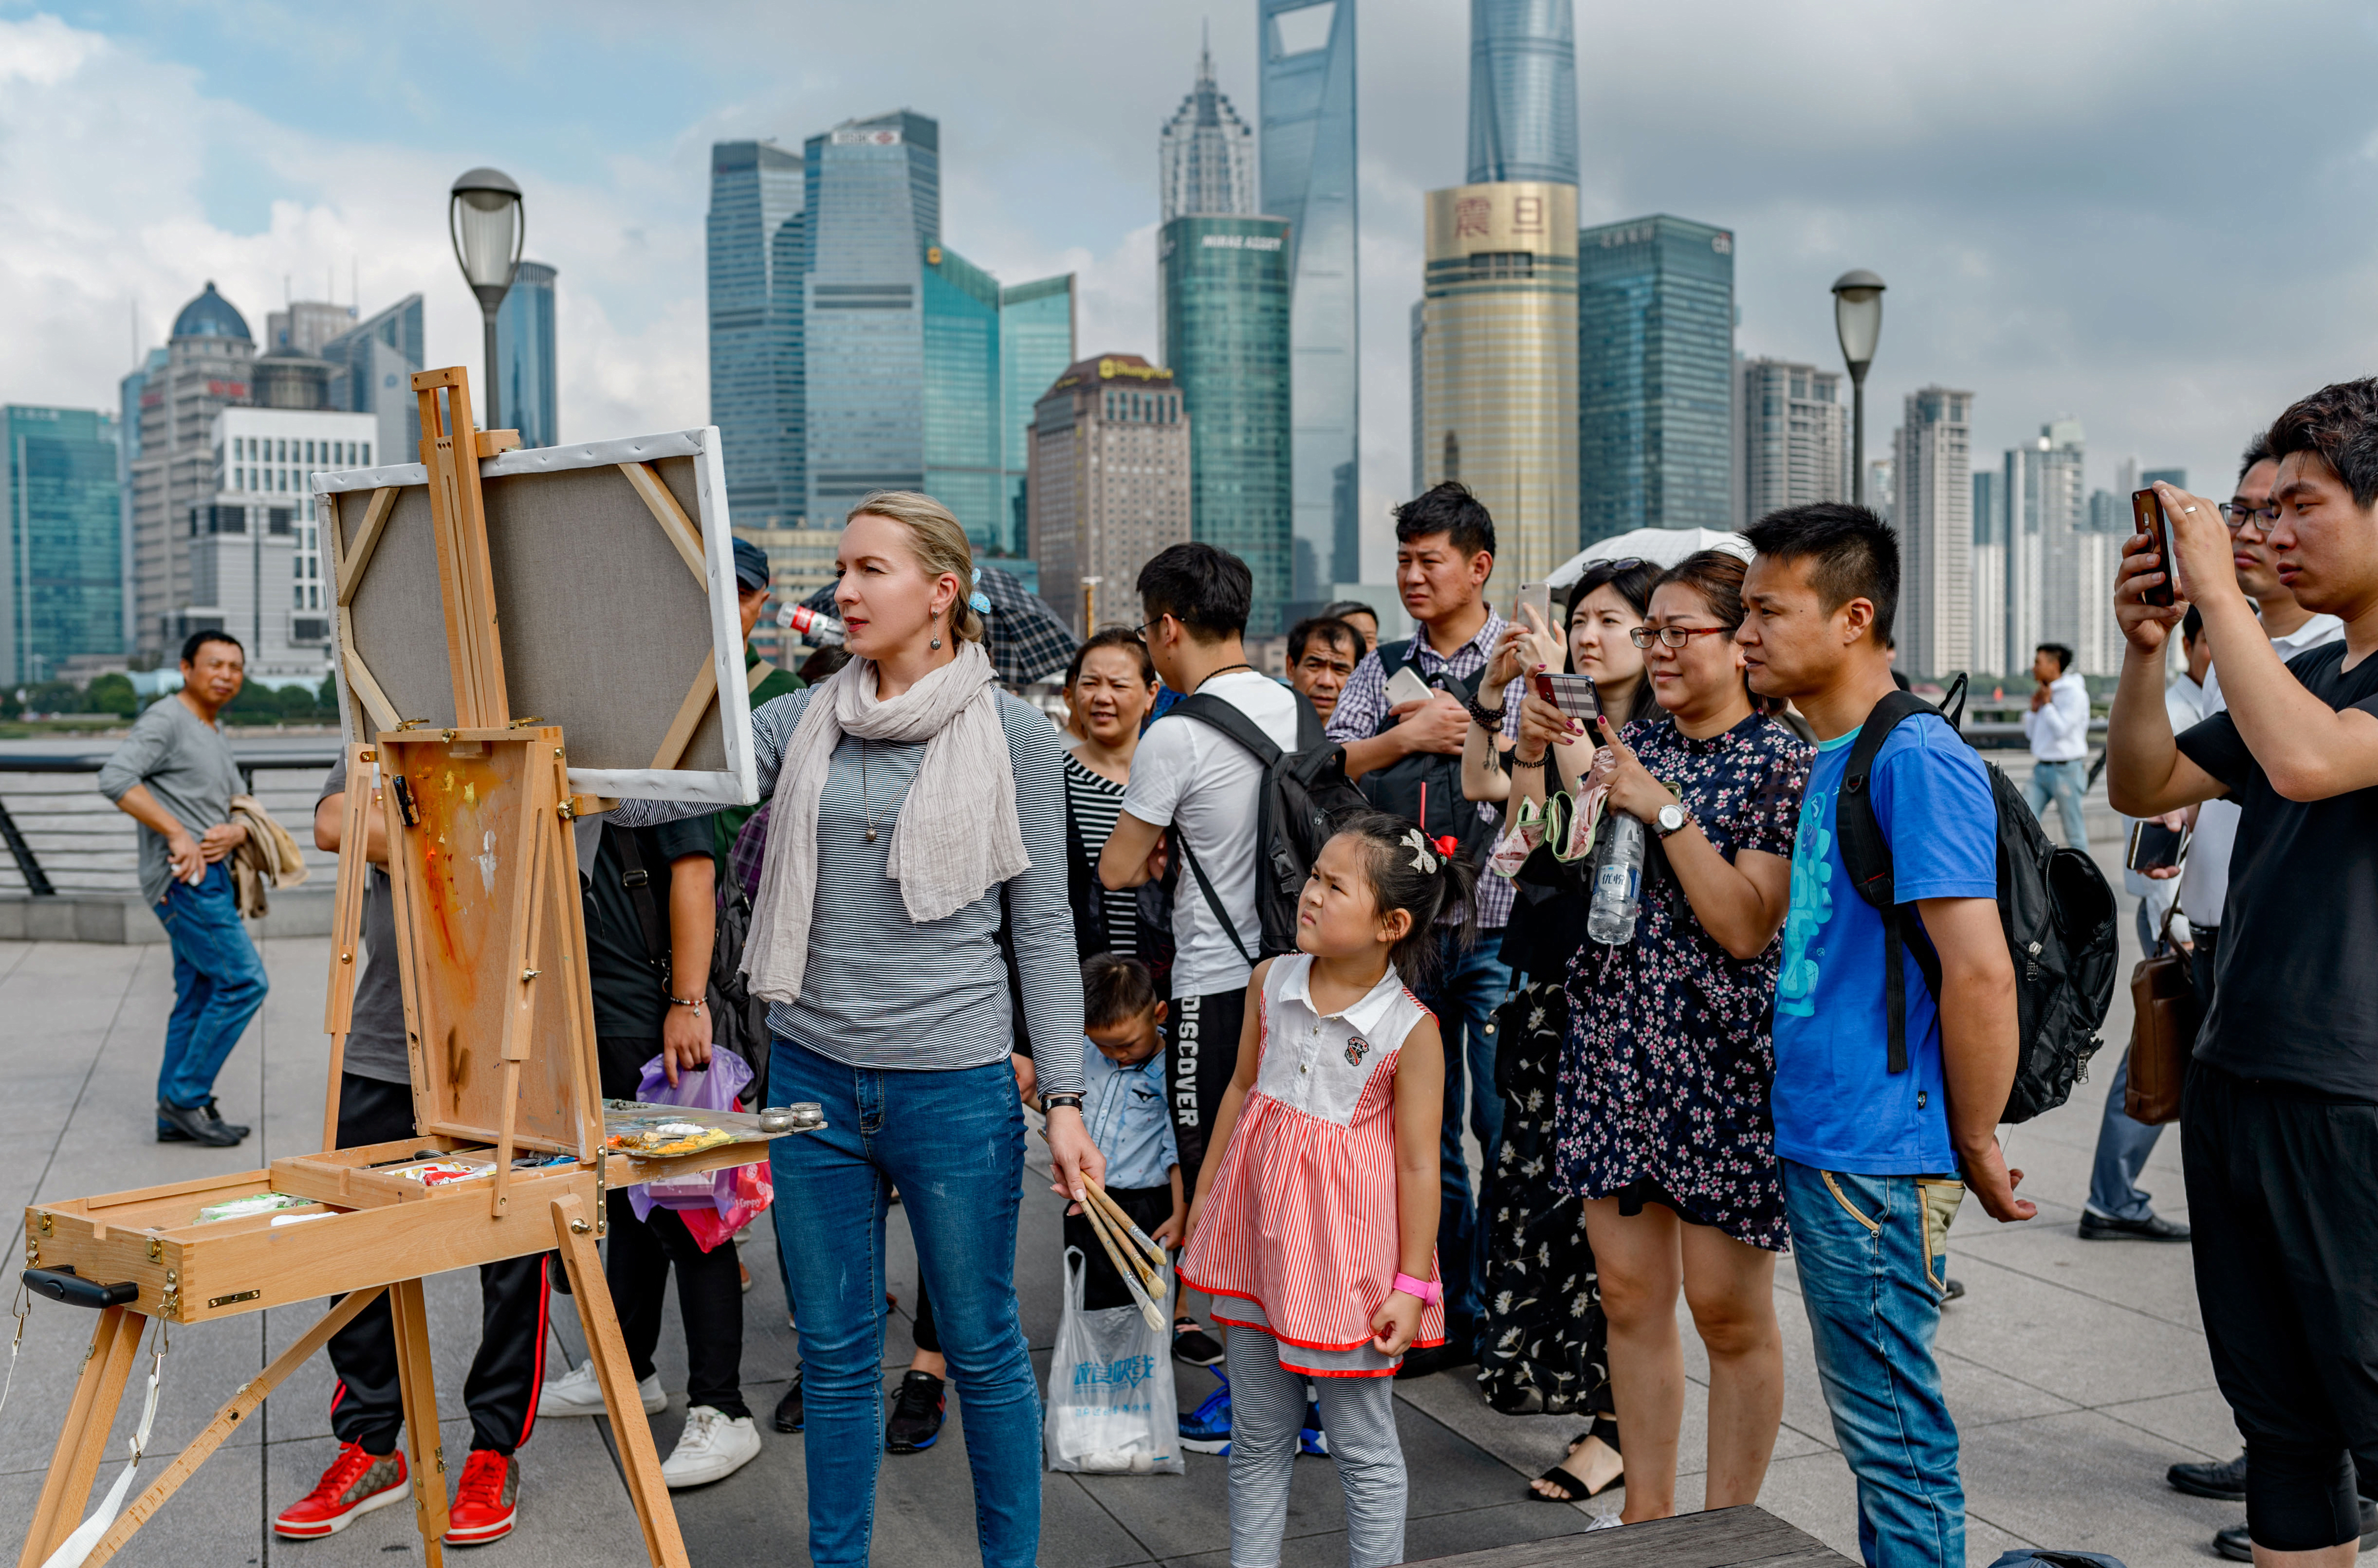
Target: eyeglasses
2237,517
1674,636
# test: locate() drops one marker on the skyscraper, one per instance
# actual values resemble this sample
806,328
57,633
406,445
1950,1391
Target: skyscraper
304,326
964,455
1110,482
378,356
1522,91
1309,179
1497,377
1205,154
755,254
1655,375
2076,561
874,206
1990,577
1934,470
1036,344
524,357
62,574
207,362
1224,295
1795,433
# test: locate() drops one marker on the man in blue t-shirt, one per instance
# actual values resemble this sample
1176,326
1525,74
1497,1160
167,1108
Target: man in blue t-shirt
1874,1162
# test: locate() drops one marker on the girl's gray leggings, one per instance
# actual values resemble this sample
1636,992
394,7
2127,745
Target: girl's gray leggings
1266,1407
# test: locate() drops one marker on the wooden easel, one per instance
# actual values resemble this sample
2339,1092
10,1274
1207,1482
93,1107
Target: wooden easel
500,1029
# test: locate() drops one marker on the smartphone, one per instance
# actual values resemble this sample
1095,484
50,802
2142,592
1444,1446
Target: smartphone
1573,695
1404,686
2155,847
2146,514
1540,595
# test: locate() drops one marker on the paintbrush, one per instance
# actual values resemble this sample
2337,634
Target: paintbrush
1123,1225
1130,1279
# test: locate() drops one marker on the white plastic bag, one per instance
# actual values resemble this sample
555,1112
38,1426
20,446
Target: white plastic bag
1111,1407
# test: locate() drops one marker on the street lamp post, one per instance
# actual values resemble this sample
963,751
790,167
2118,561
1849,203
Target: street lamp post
1858,316
483,217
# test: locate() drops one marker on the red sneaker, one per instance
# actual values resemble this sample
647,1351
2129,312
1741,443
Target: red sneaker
484,1503
355,1483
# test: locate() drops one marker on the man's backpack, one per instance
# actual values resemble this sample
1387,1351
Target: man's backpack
2055,905
1425,787
1302,797
738,1019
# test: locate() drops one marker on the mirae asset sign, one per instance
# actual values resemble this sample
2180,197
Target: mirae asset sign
1240,241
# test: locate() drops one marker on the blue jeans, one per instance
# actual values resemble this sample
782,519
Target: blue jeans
2123,1144
218,984
2062,782
952,1142
1871,1252
1467,988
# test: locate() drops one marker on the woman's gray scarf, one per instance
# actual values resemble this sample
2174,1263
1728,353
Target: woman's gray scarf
956,835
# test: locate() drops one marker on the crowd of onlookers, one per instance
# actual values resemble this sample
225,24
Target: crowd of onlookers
1267,956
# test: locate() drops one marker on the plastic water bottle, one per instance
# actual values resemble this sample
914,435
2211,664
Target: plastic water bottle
1617,880
812,625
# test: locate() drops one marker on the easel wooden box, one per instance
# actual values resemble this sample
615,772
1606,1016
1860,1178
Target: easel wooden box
478,808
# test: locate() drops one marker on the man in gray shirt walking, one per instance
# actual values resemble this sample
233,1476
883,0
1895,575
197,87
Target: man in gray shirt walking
175,777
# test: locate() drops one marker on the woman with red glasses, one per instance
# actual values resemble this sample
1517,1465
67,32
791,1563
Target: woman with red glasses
1661,1119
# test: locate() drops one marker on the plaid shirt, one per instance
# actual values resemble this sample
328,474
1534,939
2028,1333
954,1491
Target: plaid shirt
1362,708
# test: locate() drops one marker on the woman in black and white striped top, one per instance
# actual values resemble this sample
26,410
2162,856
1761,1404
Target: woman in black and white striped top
1111,685
917,827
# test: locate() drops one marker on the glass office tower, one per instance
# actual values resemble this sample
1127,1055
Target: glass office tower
1308,178
965,456
1036,344
62,566
379,355
754,260
1497,339
1522,91
1224,292
524,357
1655,375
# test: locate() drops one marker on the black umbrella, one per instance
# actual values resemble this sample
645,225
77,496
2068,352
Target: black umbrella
1026,640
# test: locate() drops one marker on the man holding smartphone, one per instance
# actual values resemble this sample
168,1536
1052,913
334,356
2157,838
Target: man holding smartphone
2279,1118
1406,756
2057,727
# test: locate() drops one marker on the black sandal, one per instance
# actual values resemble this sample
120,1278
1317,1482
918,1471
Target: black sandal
1606,1428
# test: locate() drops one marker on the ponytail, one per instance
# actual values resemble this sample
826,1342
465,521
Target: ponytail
1428,880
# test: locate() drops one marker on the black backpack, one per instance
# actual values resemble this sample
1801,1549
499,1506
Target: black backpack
1426,787
1303,797
738,1021
2053,903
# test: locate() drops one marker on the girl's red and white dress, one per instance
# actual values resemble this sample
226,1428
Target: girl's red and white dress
1301,1235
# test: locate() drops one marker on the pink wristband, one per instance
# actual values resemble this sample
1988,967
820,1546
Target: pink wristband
1428,1292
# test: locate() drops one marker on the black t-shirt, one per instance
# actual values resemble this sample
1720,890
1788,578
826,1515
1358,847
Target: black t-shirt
2296,997
630,997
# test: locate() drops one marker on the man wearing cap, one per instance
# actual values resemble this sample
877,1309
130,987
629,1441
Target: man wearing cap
763,681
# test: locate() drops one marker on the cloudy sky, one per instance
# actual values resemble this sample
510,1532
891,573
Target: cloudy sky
2158,219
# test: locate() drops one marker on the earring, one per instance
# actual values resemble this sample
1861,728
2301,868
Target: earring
935,645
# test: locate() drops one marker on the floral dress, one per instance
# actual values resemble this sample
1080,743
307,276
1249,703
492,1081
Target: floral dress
1663,1093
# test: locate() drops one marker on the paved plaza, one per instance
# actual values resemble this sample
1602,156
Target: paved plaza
2076,1371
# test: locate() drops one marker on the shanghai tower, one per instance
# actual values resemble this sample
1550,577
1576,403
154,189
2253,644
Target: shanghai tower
1522,91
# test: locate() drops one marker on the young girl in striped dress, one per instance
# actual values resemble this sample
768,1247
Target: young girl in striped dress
1314,1224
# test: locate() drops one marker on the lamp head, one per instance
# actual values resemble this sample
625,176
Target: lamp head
482,216
1858,316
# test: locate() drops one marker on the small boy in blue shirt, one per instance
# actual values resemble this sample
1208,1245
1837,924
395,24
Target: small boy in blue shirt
1129,1117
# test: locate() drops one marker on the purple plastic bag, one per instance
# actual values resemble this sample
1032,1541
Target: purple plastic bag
711,1088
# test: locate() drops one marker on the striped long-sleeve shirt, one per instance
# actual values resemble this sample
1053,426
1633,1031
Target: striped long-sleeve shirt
881,990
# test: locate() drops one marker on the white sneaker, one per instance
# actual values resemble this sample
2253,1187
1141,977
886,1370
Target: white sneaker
713,1447
578,1393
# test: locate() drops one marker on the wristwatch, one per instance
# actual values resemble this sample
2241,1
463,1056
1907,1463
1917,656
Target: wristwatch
1671,819
1050,1102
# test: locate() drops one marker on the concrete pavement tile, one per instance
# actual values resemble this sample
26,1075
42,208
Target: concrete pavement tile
2156,1278
2087,1482
215,1518
1818,1494
2198,1426
2049,1337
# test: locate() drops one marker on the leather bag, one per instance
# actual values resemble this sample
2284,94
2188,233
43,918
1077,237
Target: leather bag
2163,1032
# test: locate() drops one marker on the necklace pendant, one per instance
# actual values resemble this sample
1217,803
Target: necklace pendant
870,835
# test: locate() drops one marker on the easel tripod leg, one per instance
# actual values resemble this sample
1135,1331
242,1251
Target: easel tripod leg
82,1444
411,1322
642,1462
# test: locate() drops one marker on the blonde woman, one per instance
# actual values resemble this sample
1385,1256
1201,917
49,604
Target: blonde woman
918,827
